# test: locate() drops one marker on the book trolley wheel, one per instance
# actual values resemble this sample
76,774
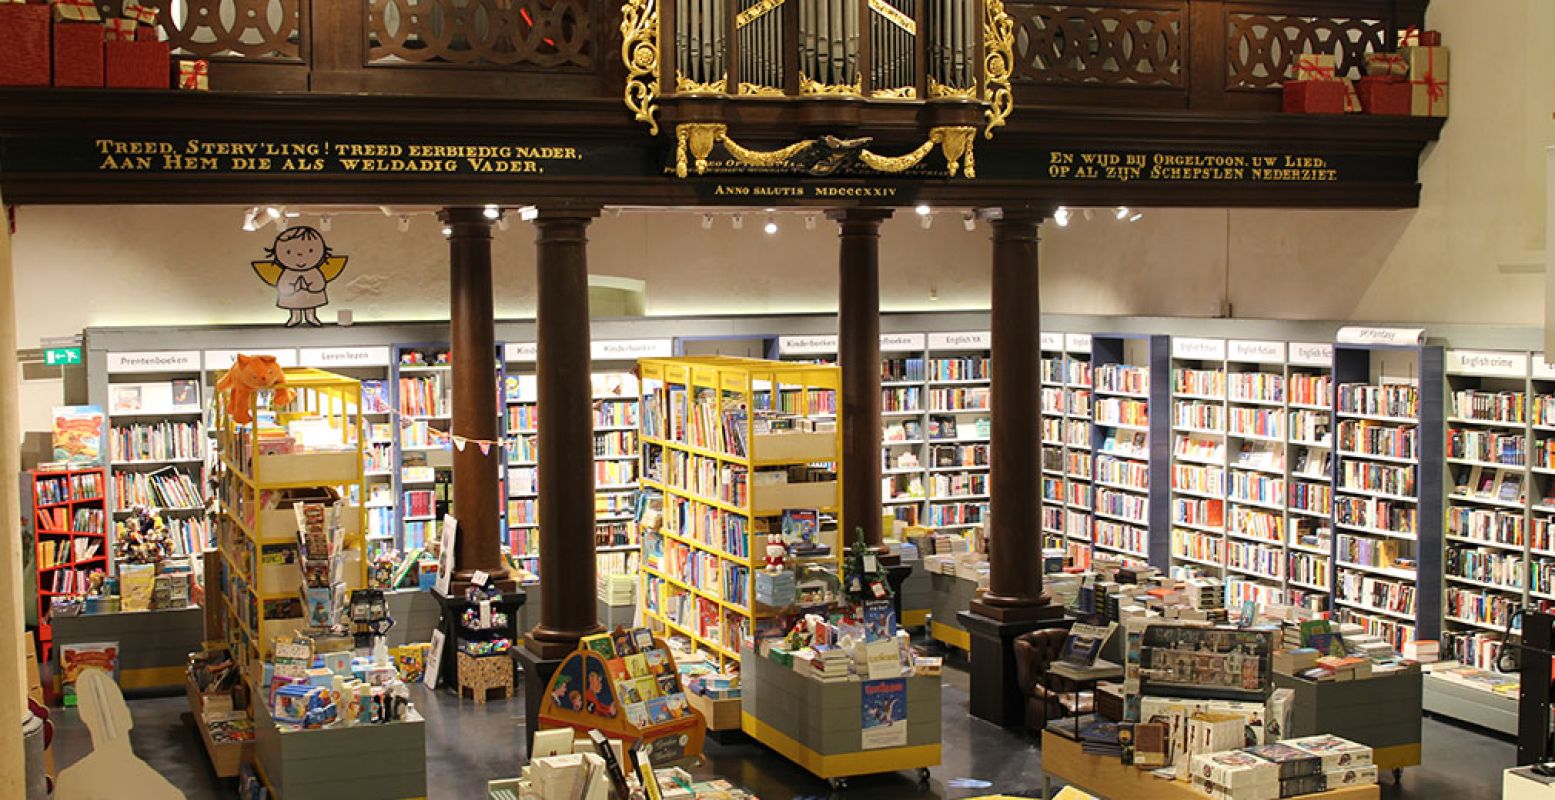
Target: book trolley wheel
923,779
839,784
1398,774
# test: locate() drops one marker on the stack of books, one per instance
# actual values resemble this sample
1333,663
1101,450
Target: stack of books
1425,651
829,664
618,590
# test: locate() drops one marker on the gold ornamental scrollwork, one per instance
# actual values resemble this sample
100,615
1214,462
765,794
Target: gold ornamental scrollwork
685,85
694,142
808,85
757,90
998,61
640,55
899,93
939,90
696,139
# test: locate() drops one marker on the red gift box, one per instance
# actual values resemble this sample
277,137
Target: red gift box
24,45
138,65
78,54
1385,95
1314,97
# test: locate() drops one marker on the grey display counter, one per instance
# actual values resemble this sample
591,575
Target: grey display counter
1454,700
154,646
950,596
363,762
1383,713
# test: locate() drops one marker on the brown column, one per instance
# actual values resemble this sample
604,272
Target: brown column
1015,452
472,335
858,353
566,434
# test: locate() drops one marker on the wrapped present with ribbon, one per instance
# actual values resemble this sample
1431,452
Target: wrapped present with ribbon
1315,67
1317,88
1384,95
1387,65
194,75
1428,73
75,10
119,30
24,45
145,18
136,64
1414,37
78,54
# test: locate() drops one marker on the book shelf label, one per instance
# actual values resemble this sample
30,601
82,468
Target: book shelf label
1202,349
1077,342
631,349
1490,363
1311,354
1358,334
966,340
326,357
1256,352
818,345
519,351
1052,341
154,361
223,360
901,342
1542,370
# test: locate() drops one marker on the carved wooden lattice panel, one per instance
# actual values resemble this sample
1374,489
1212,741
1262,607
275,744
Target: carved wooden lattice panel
1261,49
543,33
249,30
1132,45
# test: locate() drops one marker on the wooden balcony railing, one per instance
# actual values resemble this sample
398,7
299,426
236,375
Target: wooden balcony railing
1212,55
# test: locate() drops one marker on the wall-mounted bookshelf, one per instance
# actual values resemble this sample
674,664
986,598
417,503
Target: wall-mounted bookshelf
1198,456
370,364
723,443
157,445
1130,434
1053,406
956,429
1388,488
1309,454
1078,460
70,537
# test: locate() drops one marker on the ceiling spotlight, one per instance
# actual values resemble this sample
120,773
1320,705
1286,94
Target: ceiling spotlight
448,231
272,212
1122,212
249,222
528,213
809,222
492,211
926,220
771,226
707,222
293,214
924,210
1061,216
969,221
404,223
1137,216
737,221
325,222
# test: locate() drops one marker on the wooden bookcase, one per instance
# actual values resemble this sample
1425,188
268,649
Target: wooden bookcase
704,452
69,518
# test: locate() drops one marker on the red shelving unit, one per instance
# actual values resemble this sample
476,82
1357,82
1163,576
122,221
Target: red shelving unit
70,523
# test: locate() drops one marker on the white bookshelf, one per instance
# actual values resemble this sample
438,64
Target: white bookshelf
956,428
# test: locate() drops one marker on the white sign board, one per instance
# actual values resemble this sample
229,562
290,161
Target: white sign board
1255,352
1205,349
1541,370
519,351
631,349
817,345
222,360
1077,342
327,357
1052,341
1490,363
970,340
1311,354
154,361
1394,336
901,342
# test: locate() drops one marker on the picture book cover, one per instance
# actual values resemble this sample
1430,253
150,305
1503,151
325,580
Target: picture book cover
676,705
637,665
637,713
658,711
375,396
624,644
656,660
125,398
601,644
186,394
642,638
618,670
668,685
801,526
78,435
76,657
1511,487
648,688
629,693
884,711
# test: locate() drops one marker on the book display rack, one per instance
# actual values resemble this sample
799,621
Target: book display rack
740,450
956,431
156,449
371,365
1198,453
70,526
1130,433
1070,435
1054,405
1388,489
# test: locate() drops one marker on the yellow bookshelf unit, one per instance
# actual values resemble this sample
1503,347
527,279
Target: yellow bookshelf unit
307,452
731,444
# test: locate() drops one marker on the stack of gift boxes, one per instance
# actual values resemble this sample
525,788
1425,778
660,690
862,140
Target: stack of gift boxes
69,43
1410,82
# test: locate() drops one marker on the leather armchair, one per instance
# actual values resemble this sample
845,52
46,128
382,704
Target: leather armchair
1034,653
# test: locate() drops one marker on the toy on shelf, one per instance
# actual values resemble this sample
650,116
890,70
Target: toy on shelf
249,375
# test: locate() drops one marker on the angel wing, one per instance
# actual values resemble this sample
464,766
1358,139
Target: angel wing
268,271
333,266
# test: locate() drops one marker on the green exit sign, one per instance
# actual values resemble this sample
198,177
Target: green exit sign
61,356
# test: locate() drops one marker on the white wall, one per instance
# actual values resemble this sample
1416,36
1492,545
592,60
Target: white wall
1482,208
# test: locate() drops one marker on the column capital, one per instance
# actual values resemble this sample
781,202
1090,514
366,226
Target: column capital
1018,220
856,221
466,220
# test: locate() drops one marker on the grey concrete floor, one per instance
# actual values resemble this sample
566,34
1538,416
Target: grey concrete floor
467,744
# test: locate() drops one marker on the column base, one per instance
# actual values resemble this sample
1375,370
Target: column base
995,692
537,675
1016,611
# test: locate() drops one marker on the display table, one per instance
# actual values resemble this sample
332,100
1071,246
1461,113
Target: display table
1382,713
950,595
819,726
1111,779
1521,783
917,595
362,762
1456,699
154,646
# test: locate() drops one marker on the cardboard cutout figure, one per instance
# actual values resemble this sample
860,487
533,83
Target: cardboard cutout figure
300,266
112,769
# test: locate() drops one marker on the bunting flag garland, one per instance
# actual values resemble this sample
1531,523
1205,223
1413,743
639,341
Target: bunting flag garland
459,442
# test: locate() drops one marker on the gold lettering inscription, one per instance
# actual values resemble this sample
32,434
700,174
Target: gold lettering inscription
228,156
1189,167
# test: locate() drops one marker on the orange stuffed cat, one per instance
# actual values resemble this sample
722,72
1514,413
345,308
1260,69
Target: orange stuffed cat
248,375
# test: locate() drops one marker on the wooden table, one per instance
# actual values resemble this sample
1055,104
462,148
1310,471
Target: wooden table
1109,778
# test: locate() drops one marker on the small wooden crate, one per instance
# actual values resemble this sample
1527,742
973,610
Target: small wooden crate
481,674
